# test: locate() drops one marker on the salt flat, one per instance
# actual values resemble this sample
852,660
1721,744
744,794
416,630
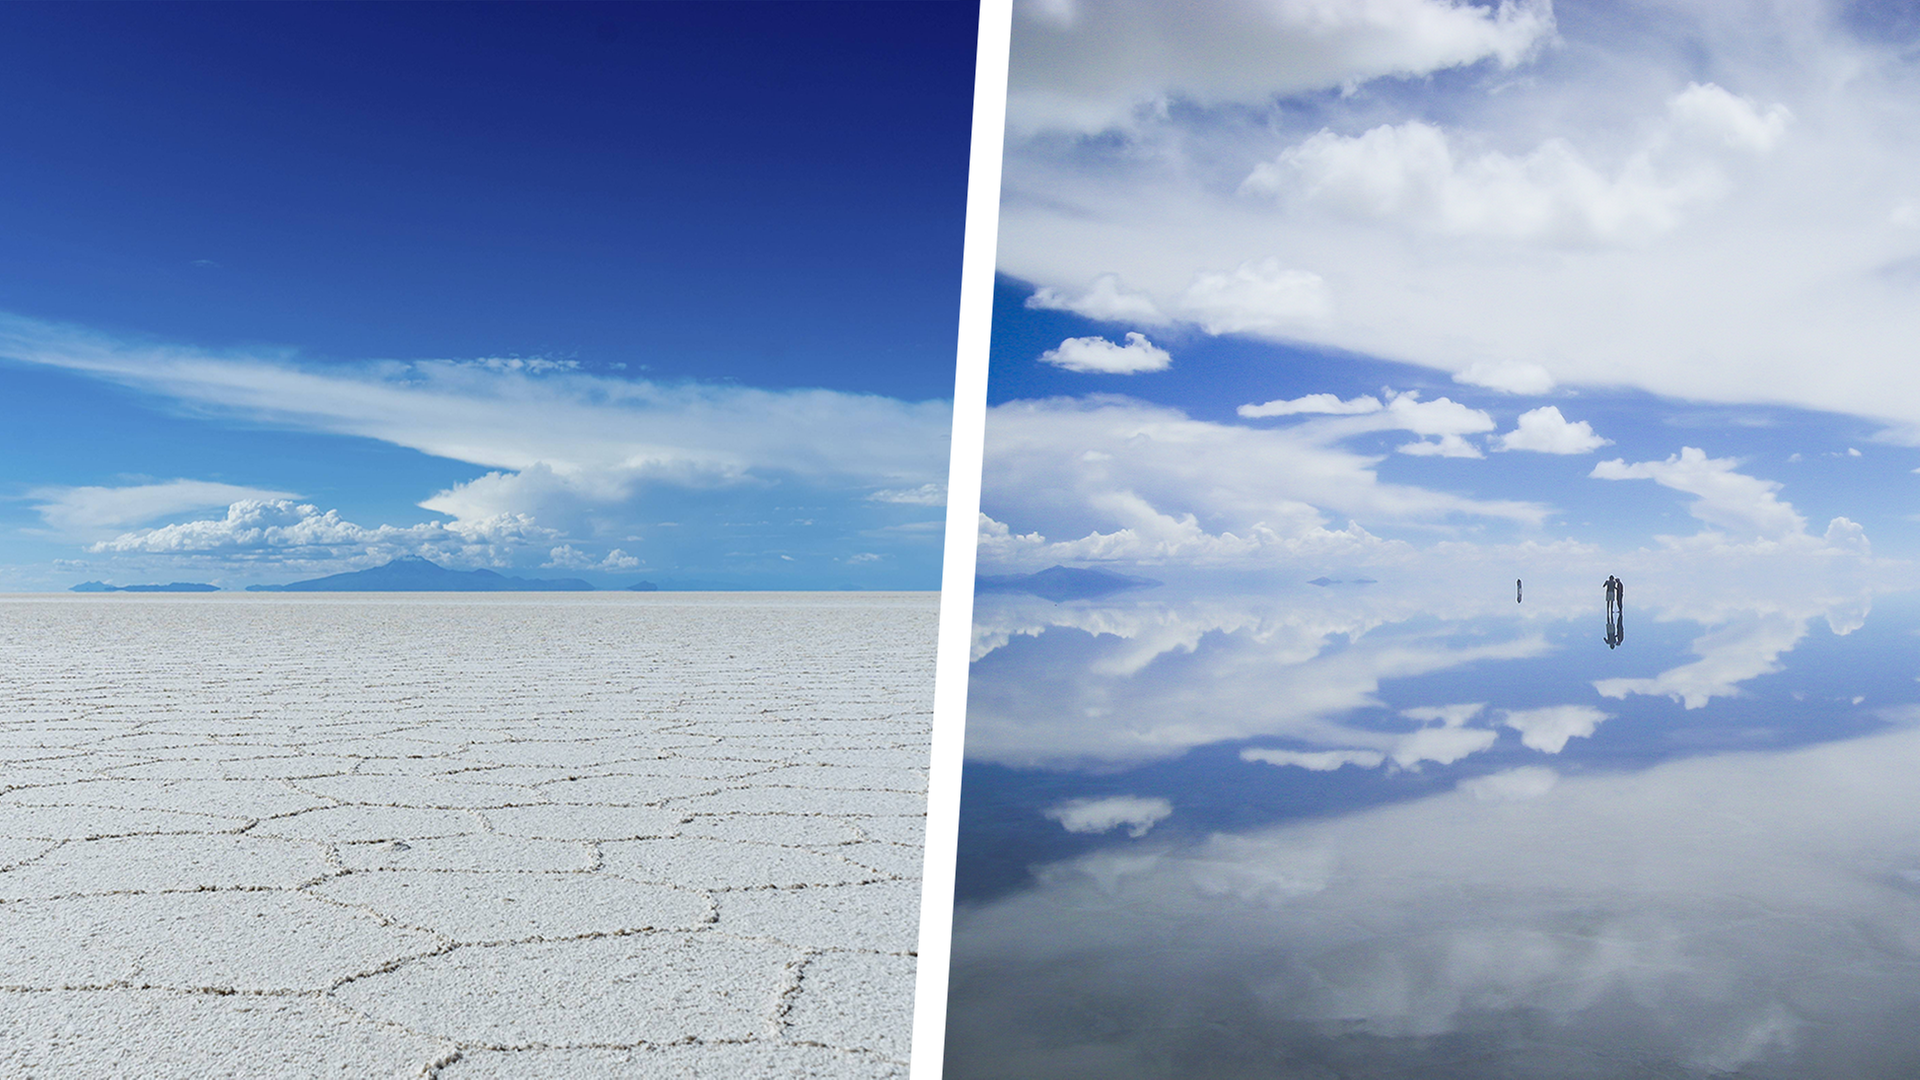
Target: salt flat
460,835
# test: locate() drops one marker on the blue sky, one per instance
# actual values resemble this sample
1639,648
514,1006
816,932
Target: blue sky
650,291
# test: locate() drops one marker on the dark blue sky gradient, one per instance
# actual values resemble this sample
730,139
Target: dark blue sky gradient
769,193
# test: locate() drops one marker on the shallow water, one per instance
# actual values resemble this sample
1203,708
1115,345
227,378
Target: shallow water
1261,826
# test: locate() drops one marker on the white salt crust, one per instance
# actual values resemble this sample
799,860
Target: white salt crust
461,836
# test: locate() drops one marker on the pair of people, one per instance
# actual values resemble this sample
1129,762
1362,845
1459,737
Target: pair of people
1616,612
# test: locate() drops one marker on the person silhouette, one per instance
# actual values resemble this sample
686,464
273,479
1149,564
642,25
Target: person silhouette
1616,612
1516,590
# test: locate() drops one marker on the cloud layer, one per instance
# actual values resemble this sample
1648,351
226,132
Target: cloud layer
1639,196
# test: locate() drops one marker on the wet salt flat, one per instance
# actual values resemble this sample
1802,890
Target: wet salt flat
1413,827
461,836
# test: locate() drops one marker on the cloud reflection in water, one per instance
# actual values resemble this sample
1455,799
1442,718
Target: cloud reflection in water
1561,908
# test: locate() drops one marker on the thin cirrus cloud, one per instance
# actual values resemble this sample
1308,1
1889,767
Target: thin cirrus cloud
556,438
87,511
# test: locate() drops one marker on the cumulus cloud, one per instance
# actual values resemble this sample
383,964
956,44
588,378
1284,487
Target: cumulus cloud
1138,814
1093,354
1084,66
84,511
1315,760
1545,431
568,557
1727,499
281,527
306,537
1548,729
1735,121
1105,299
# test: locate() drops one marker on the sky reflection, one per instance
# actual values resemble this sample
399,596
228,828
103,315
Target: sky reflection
1357,828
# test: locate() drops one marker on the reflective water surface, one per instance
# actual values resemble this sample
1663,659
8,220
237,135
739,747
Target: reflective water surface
1430,821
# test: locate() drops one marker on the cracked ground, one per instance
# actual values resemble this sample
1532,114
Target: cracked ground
462,836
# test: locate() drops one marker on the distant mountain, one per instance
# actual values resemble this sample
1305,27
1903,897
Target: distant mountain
411,573
1057,583
643,586
1324,581
172,586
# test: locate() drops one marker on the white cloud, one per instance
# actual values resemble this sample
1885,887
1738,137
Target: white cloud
1138,814
568,557
253,527
1312,403
1746,648
1444,446
1548,729
1448,715
1121,479
1093,354
557,439
1257,297
1443,745
1846,535
1272,664
1411,173
928,494
1545,431
1512,785
1315,760
1612,920
1602,217
83,511
1106,299
1507,376
1736,122
1255,652
1441,416
1727,499
1085,66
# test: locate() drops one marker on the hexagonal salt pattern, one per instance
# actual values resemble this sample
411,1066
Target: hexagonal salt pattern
465,836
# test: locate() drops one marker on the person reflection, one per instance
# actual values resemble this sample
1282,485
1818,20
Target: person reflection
1616,612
